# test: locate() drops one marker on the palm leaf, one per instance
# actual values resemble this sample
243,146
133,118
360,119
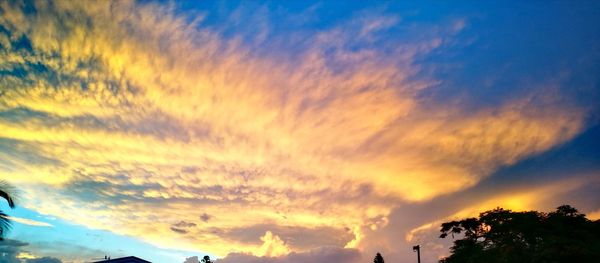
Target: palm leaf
5,190
4,224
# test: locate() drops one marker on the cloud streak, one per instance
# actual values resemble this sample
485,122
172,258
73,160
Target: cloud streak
30,222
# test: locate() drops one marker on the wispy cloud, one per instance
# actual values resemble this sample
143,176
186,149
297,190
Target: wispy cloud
30,222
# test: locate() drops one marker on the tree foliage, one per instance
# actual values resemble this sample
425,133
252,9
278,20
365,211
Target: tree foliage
378,258
5,192
206,259
500,235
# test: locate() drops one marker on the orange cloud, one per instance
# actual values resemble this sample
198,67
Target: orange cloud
168,120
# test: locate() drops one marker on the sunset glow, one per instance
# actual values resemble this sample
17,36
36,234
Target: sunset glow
253,130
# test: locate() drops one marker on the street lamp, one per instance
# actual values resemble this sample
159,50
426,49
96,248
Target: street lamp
417,248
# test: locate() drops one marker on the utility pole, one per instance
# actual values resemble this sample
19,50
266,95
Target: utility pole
417,248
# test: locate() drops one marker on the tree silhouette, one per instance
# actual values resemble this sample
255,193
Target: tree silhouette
5,190
206,259
499,235
378,258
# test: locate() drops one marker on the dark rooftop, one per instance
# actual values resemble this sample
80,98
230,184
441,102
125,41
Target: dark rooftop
124,260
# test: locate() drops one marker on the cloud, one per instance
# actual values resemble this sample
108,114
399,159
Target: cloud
179,230
9,249
181,227
193,259
184,224
302,238
326,254
30,222
67,251
205,217
540,183
272,246
43,260
14,251
124,113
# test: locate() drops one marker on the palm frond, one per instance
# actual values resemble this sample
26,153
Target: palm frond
7,192
5,224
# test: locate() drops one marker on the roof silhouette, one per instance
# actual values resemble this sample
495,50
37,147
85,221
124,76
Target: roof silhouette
130,259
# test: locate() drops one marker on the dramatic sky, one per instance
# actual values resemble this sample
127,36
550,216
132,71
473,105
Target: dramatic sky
289,131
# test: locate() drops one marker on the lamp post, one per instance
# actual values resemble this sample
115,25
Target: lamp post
417,248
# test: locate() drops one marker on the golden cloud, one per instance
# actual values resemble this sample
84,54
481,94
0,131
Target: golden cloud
156,120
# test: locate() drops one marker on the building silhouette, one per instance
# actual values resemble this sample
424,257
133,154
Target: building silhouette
124,260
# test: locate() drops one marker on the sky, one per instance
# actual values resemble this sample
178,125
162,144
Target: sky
289,131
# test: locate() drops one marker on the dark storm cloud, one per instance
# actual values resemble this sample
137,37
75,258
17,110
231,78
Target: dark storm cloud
10,249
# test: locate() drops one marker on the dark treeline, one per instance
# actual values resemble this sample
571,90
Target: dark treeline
503,236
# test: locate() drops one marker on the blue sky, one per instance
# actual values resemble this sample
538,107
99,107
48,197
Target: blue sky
60,239
289,131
